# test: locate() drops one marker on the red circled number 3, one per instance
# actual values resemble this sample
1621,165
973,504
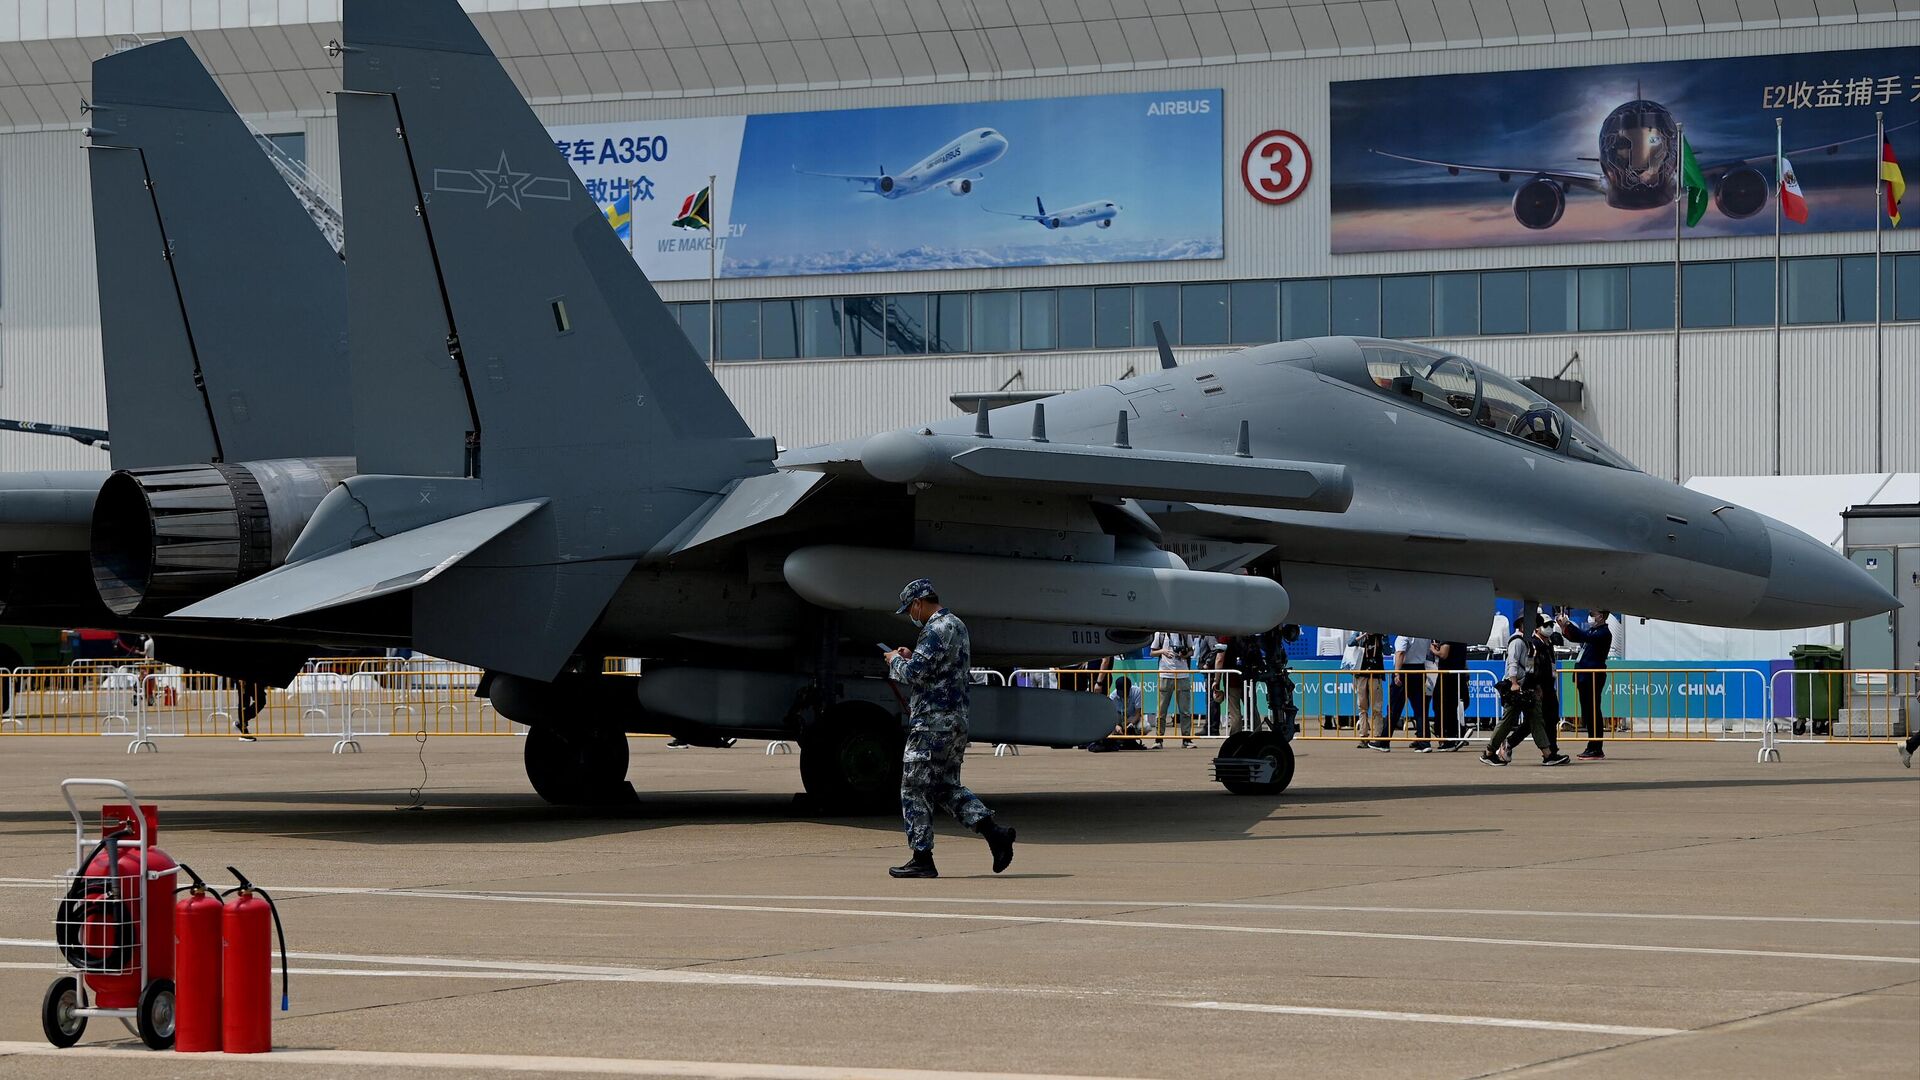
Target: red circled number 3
1282,178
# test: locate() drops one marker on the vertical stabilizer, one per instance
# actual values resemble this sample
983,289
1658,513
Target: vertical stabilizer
222,307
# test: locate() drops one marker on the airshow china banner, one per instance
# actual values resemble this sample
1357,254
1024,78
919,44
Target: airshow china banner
1577,154
1113,178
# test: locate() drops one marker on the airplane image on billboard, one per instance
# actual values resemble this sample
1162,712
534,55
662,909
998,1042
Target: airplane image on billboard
1099,212
946,167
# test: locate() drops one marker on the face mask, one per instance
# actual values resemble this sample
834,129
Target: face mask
918,623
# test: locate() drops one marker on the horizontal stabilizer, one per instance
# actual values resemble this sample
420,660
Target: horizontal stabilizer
384,566
753,501
902,457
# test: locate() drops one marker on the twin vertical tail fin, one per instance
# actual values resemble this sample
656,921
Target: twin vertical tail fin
222,305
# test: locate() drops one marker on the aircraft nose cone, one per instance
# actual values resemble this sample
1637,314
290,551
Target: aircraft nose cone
1811,584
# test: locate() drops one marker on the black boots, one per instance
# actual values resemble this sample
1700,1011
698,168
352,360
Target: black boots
921,865
999,841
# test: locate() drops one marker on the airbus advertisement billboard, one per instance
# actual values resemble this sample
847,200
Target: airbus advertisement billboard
1579,154
1045,181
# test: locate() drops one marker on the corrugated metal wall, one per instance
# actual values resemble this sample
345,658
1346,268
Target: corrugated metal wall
49,350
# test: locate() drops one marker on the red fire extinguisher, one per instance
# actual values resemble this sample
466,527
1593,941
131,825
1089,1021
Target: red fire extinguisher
196,941
247,968
112,910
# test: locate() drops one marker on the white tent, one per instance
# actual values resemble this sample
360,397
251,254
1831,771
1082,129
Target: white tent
1811,504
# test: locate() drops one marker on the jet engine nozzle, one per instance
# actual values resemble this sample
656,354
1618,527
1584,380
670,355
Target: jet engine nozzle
1538,203
165,537
885,185
962,186
1741,193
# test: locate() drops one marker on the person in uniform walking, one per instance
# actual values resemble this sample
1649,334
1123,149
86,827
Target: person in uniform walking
1530,665
936,670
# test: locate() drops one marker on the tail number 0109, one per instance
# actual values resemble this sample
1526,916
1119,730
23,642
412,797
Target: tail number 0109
1276,167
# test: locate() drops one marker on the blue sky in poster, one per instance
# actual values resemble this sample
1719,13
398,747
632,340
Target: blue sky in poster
1550,119
1163,169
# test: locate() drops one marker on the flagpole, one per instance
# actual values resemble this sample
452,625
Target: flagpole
632,220
1879,152
1779,189
1679,215
713,262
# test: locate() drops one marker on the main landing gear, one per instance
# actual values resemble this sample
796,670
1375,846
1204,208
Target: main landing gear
578,766
850,759
1254,763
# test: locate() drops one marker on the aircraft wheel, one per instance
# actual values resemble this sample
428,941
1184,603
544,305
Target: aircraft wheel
1262,744
577,766
1232,744
155,1017
57,1017
851,760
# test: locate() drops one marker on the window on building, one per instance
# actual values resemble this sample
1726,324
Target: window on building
1753,293
1354,304
1706,294
820,331
1113,317
996,322
1303,309
1813,291
1603,298
866,325
780,329
1503,302
1256,312
906,324
739,330
1856,288
693,323
291,143
1406,306
1075,318
1556,301
1036,319
1906,286
1456,305
1650,297
1155,303
1203,314
947,323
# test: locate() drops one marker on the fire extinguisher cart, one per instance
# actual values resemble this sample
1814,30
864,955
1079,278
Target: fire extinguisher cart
114,926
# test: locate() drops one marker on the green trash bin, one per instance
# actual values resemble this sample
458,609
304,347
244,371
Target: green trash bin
1818,699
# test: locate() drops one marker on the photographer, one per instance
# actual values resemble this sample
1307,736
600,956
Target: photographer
1530,667
1175,652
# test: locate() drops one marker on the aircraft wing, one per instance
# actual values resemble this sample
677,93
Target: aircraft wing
1010,213
1589,181
961,461
872,182
1814,148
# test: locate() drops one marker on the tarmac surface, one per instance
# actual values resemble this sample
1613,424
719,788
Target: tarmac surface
1672,910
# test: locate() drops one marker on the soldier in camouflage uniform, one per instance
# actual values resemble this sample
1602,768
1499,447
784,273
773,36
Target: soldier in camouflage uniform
937,671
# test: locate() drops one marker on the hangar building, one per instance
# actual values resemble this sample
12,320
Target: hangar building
1486,175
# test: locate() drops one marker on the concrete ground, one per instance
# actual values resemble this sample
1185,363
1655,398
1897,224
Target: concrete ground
1673,910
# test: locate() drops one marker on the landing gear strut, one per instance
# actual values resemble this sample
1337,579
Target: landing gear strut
578,766
850,759
1255,763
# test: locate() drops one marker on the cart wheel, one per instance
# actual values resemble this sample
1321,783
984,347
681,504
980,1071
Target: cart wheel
156,1015
57,1016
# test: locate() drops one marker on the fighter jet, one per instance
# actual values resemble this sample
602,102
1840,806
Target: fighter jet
1639,163
549,475
1091,213
947,167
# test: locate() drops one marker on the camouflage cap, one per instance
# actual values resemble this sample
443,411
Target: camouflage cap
917,589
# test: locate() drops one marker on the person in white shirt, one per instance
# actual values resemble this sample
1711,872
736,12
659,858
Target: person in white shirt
1128,704
1178,654
1410,657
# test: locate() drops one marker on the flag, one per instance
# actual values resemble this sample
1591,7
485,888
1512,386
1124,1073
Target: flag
693,212
1792,203
620,216
1895,184
1693,183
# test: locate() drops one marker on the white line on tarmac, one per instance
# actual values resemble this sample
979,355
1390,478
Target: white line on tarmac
474,1063
1431,1018
1224,905
1128,924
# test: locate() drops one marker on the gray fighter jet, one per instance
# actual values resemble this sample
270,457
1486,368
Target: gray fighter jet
547,474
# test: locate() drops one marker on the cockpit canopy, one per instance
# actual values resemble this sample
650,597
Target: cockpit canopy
1472,394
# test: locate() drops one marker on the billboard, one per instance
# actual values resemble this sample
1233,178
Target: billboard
1579,154
1047,181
